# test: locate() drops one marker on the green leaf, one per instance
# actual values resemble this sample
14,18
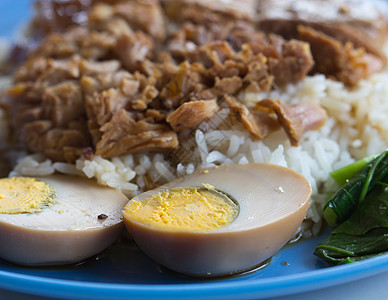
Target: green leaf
372,213
363,235
343,175
345,248
344,201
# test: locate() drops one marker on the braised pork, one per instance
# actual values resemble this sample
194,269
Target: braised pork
133,76
295,119
354,32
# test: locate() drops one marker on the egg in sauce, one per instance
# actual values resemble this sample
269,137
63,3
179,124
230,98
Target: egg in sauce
214,222
57,219
219,221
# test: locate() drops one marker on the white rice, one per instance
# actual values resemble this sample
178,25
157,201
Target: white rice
357,127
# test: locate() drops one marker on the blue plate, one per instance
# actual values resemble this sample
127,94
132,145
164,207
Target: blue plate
13,16
123,271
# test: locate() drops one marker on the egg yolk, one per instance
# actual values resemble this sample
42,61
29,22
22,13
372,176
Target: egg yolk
24,195
182,209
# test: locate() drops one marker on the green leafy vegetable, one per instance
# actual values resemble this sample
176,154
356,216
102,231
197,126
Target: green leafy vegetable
342,175
364,234
341,249
342,203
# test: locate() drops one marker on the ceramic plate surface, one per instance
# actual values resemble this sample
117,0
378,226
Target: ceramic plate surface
124,271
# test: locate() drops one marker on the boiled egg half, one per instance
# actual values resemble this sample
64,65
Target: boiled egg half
57,219
219,221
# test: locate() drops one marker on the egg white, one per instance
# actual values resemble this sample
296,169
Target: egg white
85,219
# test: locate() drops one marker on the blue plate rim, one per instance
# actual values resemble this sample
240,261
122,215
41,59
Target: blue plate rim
254,288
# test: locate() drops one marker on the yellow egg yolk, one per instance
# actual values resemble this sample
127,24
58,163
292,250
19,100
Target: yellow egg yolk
184,209
24,195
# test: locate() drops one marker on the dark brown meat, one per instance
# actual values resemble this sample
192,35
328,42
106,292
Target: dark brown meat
58,15
338,61
210,13
63,103
108,93
133,48
32,132
356,21
103,105
126,31
93,68
142,15
64,144
258,122
191,114
123,135
258,63
184,83
354,32
295,119
79,40
227,85
130,78
50,71
294,63
48,110
270,114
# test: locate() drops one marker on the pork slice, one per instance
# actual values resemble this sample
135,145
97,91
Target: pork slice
155,115
47,70
94,68
296,119
294,63
57,16
147,95
129,86
123,135
63,103
31,69
259,63
99,82
257,78
191,114
63,144
182,84
341,62
353,31
134,48
97,45
144,15
103,105
207,12
117,27
90,85
31,132
357,21
61,45
149,140
30,114
260,123
100,14
29,93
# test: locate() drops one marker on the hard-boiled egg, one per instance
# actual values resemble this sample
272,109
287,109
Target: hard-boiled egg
259,207
57,219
